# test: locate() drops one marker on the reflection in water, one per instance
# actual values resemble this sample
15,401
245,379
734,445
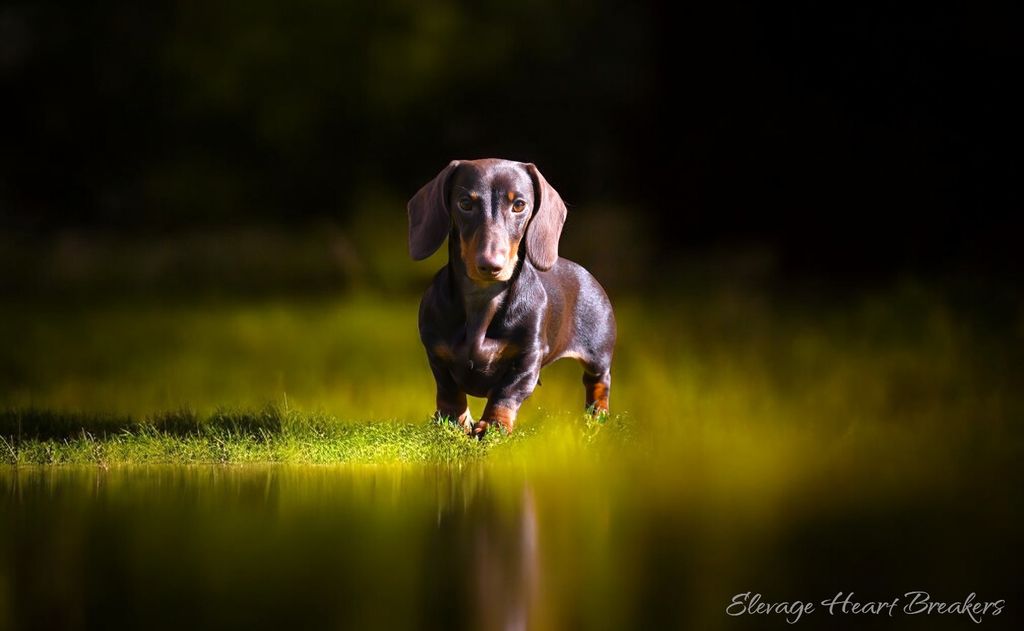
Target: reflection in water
506,567
163,547
465,547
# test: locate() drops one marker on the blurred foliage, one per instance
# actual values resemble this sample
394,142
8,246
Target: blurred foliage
908,355
365,252
190,113
856,142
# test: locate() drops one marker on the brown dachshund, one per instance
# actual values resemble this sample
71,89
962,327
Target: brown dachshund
505,304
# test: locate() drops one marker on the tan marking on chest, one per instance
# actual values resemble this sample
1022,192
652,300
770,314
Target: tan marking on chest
569,355
490,352
443,351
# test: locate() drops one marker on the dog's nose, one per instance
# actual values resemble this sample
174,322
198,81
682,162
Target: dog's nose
491,265
492,258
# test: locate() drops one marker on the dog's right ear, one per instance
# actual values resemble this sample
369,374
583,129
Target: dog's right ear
429,220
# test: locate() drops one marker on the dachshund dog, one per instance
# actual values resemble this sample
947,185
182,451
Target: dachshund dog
505,304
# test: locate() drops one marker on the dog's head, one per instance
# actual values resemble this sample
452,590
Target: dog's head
493,205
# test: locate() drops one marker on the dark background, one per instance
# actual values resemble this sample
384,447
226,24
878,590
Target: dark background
848,142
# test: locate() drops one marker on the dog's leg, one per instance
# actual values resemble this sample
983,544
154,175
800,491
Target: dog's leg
597,386
504,401
451,400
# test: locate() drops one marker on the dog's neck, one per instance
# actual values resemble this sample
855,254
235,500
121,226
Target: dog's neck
480,300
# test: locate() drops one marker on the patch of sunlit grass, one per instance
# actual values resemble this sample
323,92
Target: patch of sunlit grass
732,391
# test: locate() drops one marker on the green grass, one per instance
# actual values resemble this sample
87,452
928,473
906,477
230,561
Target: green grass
269,435
739,377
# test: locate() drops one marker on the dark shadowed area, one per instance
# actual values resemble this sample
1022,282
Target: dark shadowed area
842,140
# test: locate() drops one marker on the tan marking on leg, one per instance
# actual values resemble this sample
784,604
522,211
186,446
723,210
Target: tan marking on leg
597,397
503,416
457,410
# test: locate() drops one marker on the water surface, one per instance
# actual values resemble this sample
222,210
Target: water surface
479,546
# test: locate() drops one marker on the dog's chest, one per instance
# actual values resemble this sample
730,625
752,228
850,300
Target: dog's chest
474,360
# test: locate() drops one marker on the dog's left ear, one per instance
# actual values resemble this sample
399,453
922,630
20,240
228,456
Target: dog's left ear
429,221
546,224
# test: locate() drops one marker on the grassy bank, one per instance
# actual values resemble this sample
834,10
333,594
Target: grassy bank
269,435
740,378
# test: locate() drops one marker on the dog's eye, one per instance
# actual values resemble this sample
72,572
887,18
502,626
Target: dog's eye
518,206
466,204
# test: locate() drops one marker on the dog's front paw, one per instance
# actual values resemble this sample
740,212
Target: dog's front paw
479,429
464,420
504,423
